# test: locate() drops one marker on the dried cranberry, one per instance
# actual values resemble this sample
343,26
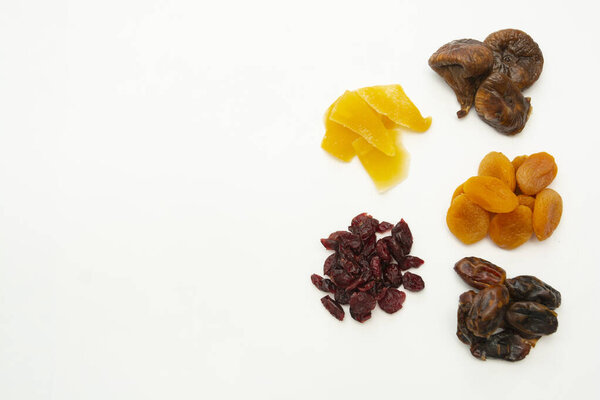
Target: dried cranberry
367,286
392,275
394,248
411,262
341,278
368,249
364,226
392,300
402,235
412,282
333,307
322,284
361,305
329,244
384,227
375,266
342,296
379,290
382,251
330,262
347,239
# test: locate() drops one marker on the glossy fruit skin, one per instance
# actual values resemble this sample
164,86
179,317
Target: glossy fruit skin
516,55
530,288
547,213
465,302
479,273
333,307
500,104
506,345
536,172
466,220
512,229
491,194
487,312
463,64
532,318
499,166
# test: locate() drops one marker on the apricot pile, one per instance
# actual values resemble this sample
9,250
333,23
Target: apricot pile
510,201
365,123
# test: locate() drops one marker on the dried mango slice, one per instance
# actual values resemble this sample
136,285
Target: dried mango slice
391,101
385,171
338,139
355,114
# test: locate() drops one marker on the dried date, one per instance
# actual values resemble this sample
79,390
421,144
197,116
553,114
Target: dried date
487,312
532,318
506,345
479,273
530,288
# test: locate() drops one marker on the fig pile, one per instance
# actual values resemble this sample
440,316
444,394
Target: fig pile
507,317
491,74
365,271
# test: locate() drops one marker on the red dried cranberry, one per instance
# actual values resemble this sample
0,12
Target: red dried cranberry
329,244
322,284
384,227
375,266
368,249
333,307
367,286
392,300
392,275
364,226
379,290
342,296
382,251
340,277
411,262
361,305
412,282
402,235
394,248
330,262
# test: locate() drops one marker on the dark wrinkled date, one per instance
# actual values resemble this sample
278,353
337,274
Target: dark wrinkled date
503,320
365,271
479,273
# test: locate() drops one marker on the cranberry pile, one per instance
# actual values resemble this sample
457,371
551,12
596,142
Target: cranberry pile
365,271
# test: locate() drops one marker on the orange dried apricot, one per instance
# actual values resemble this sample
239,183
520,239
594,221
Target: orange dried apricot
466,220
499,166
517,161
512,229
458,191
536,172
525,200
546,213
355,114
491,194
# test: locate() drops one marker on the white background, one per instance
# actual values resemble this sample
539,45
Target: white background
163,192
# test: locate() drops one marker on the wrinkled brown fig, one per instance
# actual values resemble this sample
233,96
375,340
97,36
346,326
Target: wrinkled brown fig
500,104
463,64
516,55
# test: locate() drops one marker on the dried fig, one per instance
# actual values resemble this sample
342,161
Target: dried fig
500,104
516,55
463,64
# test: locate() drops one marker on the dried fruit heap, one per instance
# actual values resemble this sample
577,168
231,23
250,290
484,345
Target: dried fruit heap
508,200
365,271
491,74
365,123
522,307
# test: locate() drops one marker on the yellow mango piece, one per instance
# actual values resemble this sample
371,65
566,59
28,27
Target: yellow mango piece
385,171
391,101
355,114
338,139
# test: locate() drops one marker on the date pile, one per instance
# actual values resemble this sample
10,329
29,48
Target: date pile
365,271
522,307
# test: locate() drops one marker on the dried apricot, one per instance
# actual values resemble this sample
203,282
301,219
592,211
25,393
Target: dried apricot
517,161
458,191
546,213
490,194
537,172
499,166
512,229
525,200
466,220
